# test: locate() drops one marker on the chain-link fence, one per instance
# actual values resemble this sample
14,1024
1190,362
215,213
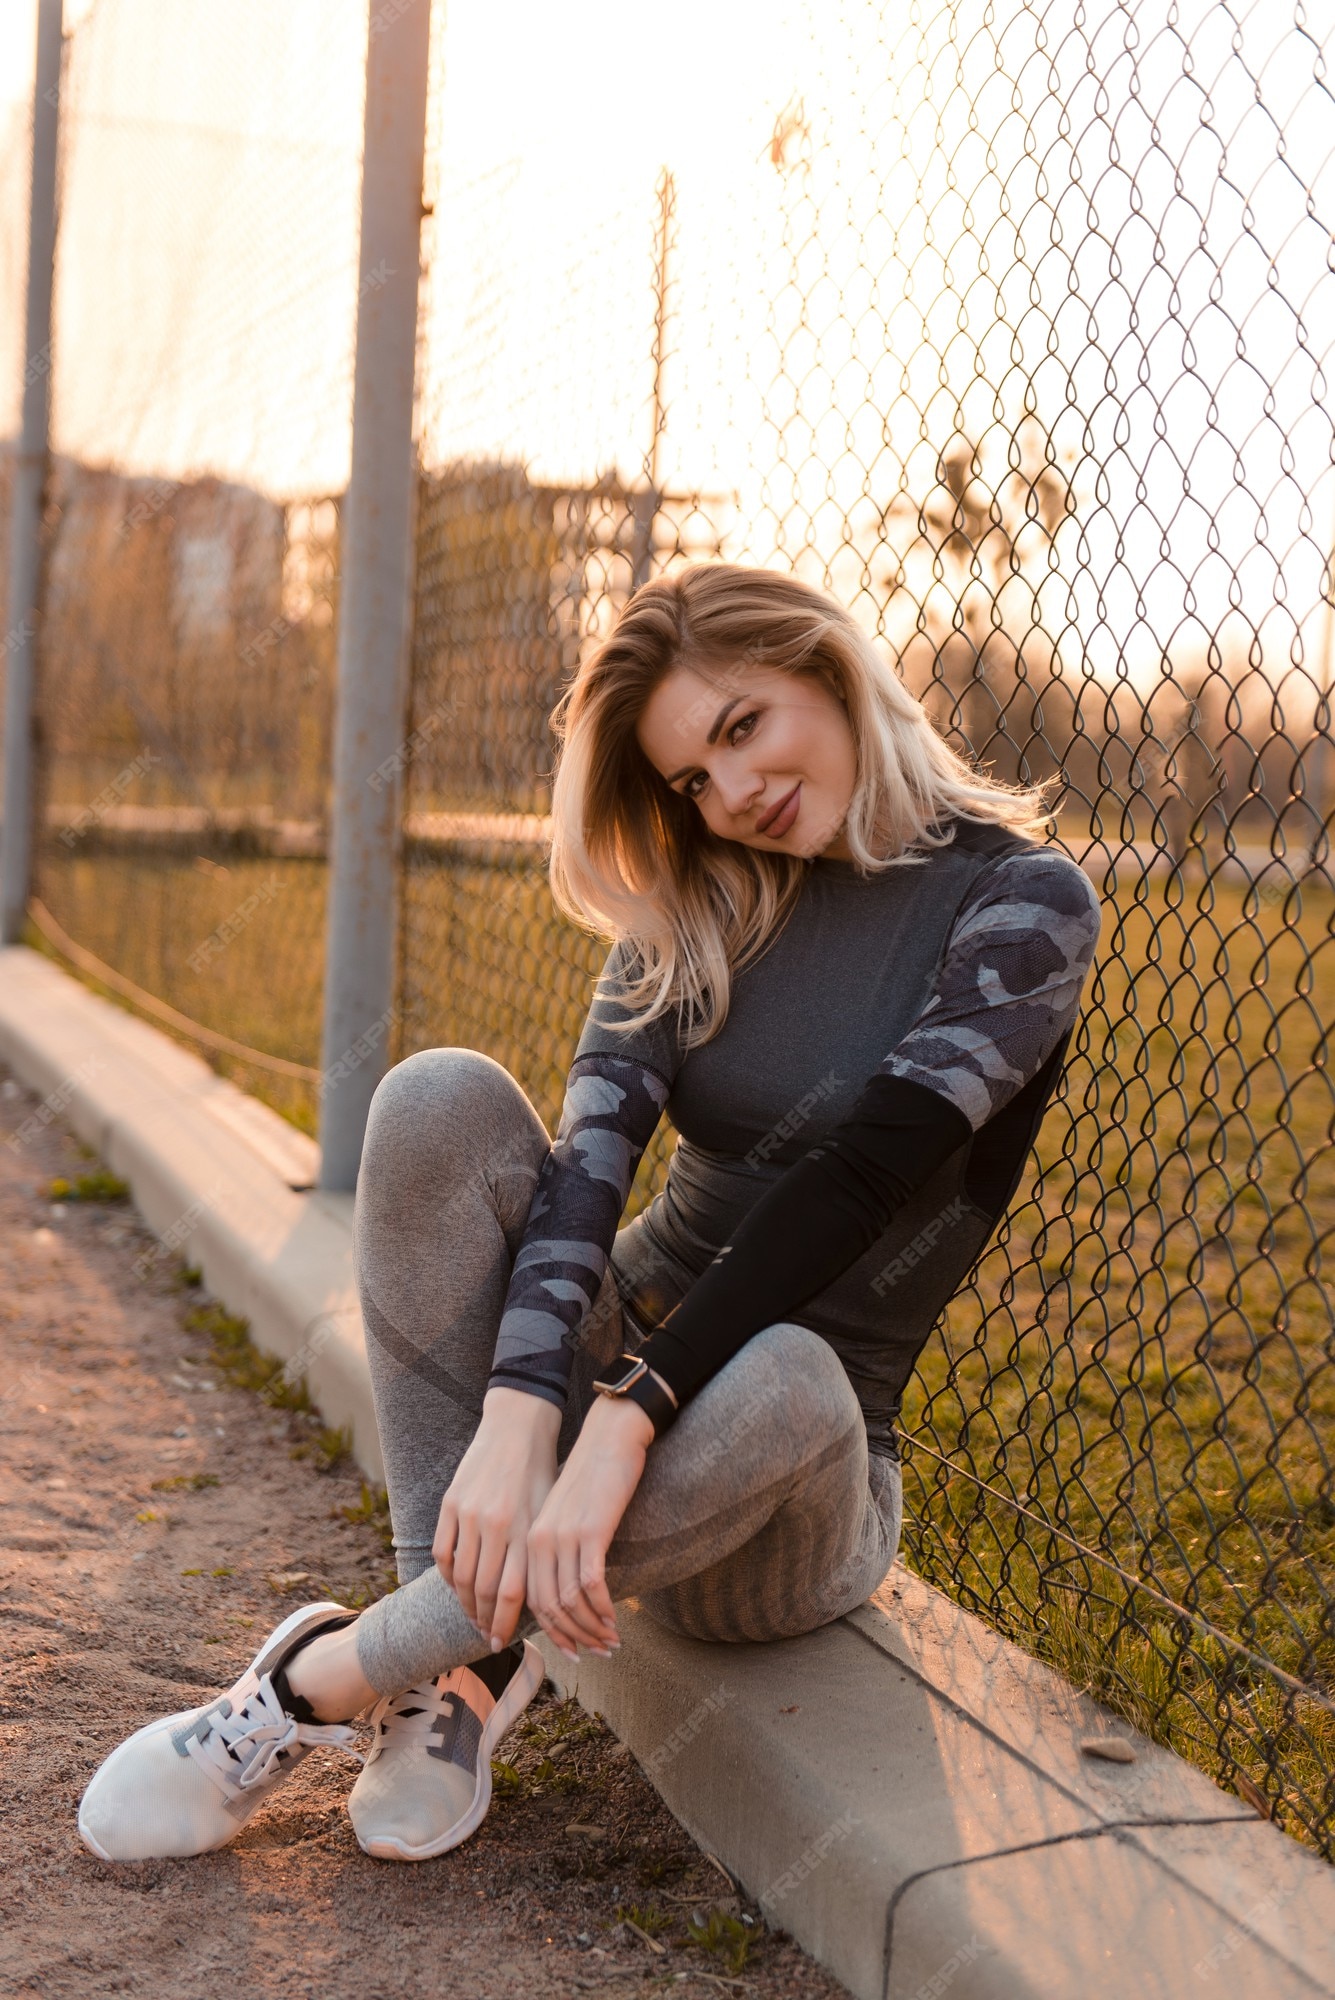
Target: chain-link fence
205,302
1009,325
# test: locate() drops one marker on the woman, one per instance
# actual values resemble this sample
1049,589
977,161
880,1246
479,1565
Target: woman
849,970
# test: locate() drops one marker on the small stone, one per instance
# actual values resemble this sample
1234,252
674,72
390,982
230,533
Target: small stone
289,1579
1112,1749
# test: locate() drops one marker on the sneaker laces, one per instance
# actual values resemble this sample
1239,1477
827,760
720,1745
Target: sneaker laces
415,1709
244,1748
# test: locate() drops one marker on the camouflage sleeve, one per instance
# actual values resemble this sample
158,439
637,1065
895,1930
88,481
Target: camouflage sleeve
1009,984
612,1107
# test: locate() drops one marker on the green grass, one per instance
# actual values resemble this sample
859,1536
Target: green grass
147,915
1123,1423
99,1186
372,1511
1144,1357
725,1937
235,1355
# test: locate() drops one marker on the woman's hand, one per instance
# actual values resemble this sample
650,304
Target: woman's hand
569,1540
481,1544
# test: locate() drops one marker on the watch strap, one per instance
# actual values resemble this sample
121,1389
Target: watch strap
639,1383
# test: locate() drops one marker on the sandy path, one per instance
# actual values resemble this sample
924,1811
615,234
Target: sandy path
113,1429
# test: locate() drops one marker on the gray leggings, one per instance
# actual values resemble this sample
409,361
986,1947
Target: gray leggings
760,1514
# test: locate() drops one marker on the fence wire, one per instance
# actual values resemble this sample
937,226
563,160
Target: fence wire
1010,325
203,325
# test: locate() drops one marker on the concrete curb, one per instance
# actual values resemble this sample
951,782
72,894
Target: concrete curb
903,1790
212,1173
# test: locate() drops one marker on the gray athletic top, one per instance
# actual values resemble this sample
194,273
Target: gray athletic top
961,975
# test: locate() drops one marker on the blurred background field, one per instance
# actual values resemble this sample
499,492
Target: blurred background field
1011,328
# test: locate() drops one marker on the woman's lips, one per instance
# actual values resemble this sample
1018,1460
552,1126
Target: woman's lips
785,816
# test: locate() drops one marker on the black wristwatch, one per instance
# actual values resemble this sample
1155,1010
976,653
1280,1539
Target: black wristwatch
641,1385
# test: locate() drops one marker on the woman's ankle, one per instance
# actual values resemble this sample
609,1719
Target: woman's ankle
326,1674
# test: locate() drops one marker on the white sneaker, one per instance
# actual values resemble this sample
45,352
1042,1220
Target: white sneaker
189,1782
426,1783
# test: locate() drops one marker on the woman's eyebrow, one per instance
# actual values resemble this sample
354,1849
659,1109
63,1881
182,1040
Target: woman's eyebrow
719,720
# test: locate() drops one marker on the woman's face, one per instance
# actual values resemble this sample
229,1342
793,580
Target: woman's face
741,743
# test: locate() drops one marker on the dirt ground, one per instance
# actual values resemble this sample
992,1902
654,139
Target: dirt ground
155,1526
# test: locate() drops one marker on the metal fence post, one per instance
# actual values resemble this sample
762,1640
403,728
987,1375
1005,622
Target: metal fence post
375,615
30,474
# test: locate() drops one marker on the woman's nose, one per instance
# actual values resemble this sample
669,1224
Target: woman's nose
739,792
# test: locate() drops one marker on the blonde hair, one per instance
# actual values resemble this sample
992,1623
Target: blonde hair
634,859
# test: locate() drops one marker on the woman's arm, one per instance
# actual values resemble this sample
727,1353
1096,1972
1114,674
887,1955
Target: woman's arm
1005,998
612,1107
611,1111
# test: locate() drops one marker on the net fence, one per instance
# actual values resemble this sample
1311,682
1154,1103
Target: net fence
203,327
1009,325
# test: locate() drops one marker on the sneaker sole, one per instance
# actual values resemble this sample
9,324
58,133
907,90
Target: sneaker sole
269,1654
518,1694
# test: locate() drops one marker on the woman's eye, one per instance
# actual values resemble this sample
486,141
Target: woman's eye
687,790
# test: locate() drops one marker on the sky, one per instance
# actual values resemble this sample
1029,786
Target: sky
1110,225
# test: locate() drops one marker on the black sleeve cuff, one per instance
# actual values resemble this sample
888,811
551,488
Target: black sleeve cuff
805,1231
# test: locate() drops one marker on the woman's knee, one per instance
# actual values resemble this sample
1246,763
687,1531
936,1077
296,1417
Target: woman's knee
441,1106
793,1377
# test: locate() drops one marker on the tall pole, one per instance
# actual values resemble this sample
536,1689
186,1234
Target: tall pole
647,499
376,583
1316,769
30,476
